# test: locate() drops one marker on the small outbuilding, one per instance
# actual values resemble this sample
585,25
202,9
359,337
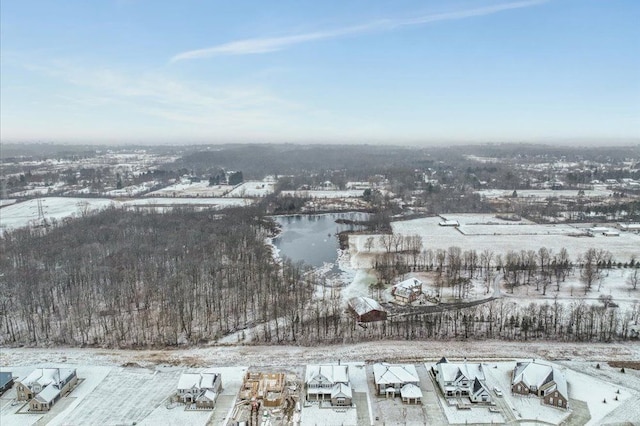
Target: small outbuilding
365,309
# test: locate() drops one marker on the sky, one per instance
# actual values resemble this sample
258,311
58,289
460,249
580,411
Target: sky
350,71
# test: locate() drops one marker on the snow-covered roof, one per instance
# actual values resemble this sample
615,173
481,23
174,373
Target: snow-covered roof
197,380
410,391
536,374
361,305
48,394
451,371
208,395
341,390
46,376
408,284
327,374
384,373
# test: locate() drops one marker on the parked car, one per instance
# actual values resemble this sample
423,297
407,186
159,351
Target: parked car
497,391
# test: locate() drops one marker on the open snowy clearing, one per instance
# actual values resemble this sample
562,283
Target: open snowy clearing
253,189
111,393
599,191
195,189
504,235
349,193
27,213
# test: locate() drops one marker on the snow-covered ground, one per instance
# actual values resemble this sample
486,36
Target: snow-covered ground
505,237
253,189
349,193
545,193
195,189
26,213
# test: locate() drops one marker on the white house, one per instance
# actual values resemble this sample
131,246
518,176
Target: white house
390,379
329,383
461,379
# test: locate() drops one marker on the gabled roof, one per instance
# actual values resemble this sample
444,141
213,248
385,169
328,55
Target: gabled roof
362,305
408,284
452,371
197,381
341,390
46,376
536,374
327,374
48,394
208,395
384,373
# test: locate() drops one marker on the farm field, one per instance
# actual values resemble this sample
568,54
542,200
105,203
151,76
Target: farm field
485,232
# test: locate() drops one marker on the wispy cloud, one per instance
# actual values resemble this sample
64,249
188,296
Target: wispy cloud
272,44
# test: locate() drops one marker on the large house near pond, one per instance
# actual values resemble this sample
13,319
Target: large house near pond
407,291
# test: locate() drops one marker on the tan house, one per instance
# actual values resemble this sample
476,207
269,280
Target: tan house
43,387
541,380
407,291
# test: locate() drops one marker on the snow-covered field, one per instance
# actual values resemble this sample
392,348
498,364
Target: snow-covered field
26,213
349,193
111,393
253,189
600,191
196,189
476,233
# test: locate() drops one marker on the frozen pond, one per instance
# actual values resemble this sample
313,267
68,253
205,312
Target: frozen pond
313,239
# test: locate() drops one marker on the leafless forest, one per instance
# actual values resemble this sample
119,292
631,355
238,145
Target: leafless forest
130,279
